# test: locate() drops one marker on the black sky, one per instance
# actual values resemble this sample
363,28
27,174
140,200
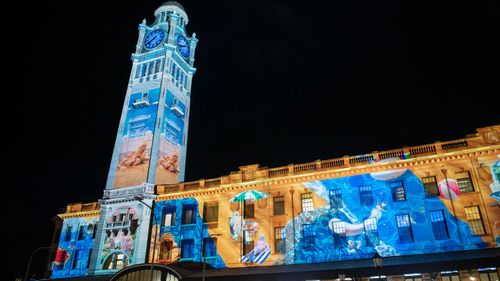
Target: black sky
278,82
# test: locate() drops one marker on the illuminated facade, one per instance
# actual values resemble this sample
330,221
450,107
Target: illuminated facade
435,198
150,145
430,199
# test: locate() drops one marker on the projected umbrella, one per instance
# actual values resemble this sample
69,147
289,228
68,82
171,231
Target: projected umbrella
249,195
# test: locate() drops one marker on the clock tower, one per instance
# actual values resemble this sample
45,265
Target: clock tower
150,146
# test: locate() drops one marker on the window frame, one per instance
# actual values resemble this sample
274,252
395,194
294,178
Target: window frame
438,226
366,194
206,207
306,202
404,230
278,201
430,184
479,219
397,191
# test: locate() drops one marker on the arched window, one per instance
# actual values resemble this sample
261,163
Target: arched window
116,261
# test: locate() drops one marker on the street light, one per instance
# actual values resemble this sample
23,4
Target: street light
204,254
29,261
140,198
377,261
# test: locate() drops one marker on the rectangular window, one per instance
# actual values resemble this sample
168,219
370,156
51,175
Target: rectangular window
308,236
248,247
211,212
430,185
279,242
81,232
94,231
465,182
371,230
404,228
335,198
439,225
366,195
168,216
306,201
279,205
67,236
398,191
474,220
75,263
188,214
210,247
338,227
249,210
187,249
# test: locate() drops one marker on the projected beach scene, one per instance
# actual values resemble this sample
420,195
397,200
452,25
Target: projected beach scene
171,141
136,140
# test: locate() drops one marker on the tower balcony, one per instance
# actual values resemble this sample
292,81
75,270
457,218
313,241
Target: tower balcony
177,110
141,103
118,224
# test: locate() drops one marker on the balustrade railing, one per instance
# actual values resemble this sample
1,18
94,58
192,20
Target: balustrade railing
415,151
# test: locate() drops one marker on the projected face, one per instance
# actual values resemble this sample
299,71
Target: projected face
182,44
154,38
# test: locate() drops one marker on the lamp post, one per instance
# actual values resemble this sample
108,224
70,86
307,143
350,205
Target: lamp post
445,173
140,198
377,262
204,254
29,261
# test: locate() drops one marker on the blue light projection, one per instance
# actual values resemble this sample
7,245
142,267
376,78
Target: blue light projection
185,230
75,245
348,229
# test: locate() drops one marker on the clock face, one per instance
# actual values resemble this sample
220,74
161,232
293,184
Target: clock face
154,38
183,45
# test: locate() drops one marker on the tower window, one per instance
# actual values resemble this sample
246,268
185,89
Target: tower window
306,201
430,185
438,225
465,182
404,228
366,195
398,191
474,220
335,198
279,205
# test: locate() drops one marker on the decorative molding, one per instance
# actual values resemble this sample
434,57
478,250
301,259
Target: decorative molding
338,172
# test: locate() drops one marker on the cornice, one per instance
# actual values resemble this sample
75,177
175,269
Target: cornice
80,214
338,172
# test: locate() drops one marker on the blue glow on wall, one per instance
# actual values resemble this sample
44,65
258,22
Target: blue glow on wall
347,229
75,245
180,231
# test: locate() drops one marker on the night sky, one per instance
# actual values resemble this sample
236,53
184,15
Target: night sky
277,82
